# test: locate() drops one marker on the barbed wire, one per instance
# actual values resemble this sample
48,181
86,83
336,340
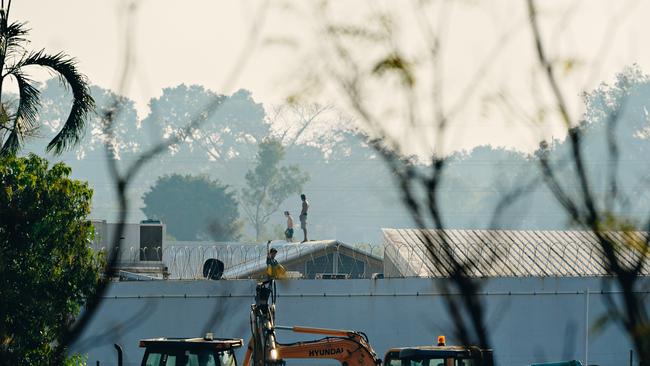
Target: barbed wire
332,259
241,260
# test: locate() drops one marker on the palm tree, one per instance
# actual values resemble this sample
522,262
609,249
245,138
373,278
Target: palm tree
16,125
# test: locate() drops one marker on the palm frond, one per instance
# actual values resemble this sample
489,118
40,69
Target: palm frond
28,103
14,37
82,103
12,34
11,145
25,118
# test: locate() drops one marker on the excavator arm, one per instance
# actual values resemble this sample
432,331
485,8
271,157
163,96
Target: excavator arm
349,347
344,350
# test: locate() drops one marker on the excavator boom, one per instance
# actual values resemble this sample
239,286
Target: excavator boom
349,347
347,351
322,331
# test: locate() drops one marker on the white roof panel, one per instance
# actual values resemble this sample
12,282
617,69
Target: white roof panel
508,253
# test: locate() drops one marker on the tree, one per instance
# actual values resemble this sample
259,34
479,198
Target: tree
269,184
193,208
127,137
44,254
22,121
232,131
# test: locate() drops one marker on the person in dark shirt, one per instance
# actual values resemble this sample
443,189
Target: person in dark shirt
273,268
270,259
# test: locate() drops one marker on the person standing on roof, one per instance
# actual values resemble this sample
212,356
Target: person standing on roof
288,233
303,216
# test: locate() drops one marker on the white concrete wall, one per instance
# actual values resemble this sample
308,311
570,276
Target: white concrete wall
531,319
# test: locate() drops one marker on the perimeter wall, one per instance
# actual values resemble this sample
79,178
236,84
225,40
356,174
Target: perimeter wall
530,319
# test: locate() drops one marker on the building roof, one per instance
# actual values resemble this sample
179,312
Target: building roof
507,253
289,252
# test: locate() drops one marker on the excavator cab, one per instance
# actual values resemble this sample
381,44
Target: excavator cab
440,355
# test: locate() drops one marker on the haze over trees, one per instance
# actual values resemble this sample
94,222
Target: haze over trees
231,132
351,190
269,184
194,208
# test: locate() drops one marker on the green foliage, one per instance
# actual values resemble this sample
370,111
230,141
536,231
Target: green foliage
76,360
46,265
24,120
194,208
269,184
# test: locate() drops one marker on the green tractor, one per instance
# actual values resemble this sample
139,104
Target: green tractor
206,351
440,355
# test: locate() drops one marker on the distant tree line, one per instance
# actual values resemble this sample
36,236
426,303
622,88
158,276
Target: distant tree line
351,190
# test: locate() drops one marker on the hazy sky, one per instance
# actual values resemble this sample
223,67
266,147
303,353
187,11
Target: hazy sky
202,42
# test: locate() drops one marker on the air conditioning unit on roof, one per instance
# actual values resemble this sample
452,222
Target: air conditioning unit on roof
151,240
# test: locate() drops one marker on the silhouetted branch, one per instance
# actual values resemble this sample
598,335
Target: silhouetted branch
122,180
585,212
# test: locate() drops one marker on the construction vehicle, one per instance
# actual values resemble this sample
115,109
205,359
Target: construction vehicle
440,355
206,351
349,347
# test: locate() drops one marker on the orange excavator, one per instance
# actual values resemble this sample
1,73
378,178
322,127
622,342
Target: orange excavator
350,348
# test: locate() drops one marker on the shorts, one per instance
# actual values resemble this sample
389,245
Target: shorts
288,233
303,221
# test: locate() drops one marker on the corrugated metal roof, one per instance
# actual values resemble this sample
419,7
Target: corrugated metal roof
507,253
288,252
